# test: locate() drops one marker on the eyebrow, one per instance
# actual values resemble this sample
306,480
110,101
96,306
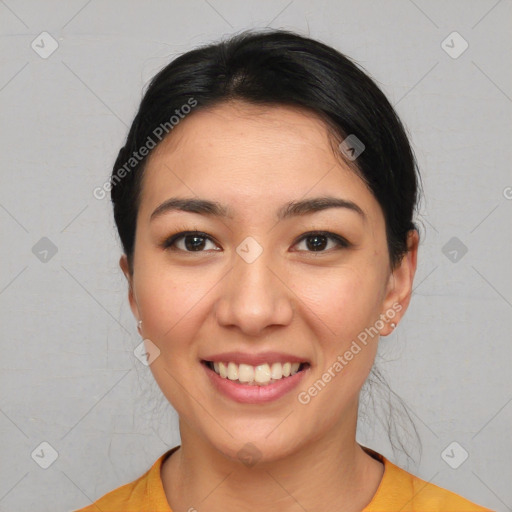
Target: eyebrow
291,209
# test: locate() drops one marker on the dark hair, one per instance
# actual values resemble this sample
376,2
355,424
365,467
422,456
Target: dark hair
282,68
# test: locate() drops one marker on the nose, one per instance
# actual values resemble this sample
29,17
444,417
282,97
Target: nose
254,296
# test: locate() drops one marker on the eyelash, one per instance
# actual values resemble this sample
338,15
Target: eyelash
341,242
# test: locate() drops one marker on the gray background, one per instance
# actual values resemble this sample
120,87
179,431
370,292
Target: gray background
68,373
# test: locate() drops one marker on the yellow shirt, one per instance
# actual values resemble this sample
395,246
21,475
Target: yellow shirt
398,491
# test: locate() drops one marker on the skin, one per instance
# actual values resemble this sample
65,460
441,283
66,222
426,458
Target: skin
291,299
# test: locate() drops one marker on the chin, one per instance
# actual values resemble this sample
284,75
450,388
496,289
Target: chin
250,446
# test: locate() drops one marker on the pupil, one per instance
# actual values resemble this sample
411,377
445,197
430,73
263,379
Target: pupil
317,245
196,246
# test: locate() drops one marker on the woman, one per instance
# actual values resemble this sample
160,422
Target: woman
264,199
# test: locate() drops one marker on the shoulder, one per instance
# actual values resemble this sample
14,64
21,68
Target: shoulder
143,494
401,490
127,498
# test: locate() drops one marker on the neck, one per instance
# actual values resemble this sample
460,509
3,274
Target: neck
333,472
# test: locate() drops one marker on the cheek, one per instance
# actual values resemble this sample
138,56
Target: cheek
169,303
347,298
347,304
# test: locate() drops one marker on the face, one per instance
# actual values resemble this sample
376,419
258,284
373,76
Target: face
264,283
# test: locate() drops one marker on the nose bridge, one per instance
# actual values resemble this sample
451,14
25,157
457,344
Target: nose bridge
253,297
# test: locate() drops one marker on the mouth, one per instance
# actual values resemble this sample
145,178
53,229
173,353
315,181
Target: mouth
264,374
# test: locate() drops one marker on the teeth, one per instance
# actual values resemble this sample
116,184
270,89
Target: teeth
232,371
276,371
245,373
262,374
223,371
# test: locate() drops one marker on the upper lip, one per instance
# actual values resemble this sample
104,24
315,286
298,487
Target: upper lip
254,359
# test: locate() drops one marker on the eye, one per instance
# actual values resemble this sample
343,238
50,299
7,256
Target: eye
196,241
188,241
316,241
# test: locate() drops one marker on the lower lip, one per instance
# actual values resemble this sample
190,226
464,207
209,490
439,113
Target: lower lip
248,394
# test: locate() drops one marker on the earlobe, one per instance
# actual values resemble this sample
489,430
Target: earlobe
400,285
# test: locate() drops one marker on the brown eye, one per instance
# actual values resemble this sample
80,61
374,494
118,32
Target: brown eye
188,241
319,240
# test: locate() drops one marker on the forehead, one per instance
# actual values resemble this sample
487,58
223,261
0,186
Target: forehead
237,131
248,155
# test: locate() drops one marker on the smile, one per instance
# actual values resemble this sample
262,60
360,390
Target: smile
256,383
260,375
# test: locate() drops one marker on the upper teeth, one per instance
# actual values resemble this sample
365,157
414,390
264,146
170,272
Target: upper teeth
261,374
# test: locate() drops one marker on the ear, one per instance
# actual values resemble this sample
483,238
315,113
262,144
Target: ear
123,263
399,287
